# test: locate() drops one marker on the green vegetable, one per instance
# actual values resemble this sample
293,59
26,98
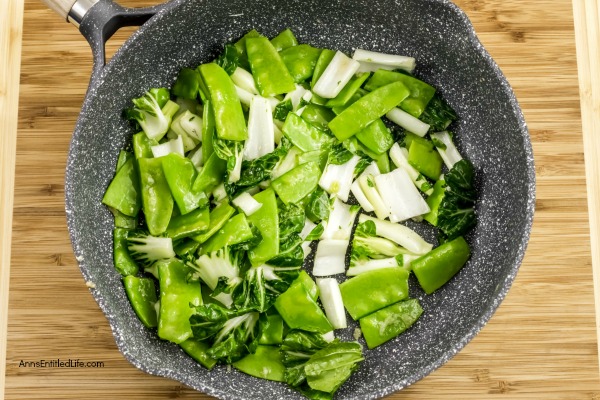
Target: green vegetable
255,171
420,92
373,290
300,61
425,159
348,91
235,231
438,266
269,71
299,309
208,130
282,110
434,200
297,183
229,59
266,220
191,224
389,322
303,134
322,63
142,146
186,248
123,261
180,174
456,214
122,220
153,112
329,368
271,332
318,206
157,202
218,217
186,85
318,116
229,118
264,363
123,192
438,114
376,137
177,296
197,350
240,46
284,40
367,109
146,249
142,296
210,176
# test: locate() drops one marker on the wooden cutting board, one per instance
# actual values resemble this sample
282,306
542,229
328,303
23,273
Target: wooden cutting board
540,344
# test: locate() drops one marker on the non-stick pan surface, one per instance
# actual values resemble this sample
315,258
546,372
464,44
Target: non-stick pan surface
491,133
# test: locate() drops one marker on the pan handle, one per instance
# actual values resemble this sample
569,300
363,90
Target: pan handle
98,20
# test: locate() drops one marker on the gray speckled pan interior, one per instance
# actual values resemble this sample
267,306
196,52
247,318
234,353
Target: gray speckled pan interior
491,133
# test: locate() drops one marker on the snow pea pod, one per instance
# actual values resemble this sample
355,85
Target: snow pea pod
376,137
211,175
123,261
389,322
348,91
322,63
198,351
425,159
420,92
185,248
177,296
157,201
190,224
265,363
367,109
142,145
266,219
186,85
317,115
229,117
373,290
208,130
284,40
270,73
273,333
240,45
181,173
297,183
438,266
304,135
434,200
300,310
218,217
300,61
123,191
236,230
142,296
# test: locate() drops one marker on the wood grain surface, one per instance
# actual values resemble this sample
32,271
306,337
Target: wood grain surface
540,344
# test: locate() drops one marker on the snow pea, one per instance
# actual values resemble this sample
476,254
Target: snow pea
389,322
236,230
284,40
186,85
438,266
142,145
273,333
211,175
425,159
367,109
142,296
317,115
180,173
208,130
383,163
300,61
322,63
266,219
376,137
123,191
310,285
270,73
122,220
304,135
300,310
124,156
348,91
297,183
229,117
190,224
157,201
177,296
434,200
197,350
218,217
185,247
265,363
410,138
240,45
123,261
373,290
328,368
420,92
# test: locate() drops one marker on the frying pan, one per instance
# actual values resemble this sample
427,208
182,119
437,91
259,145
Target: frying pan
491,133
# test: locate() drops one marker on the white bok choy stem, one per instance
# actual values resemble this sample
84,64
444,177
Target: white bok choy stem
296,96
172,146
196,157
450,154
337,179
246,203
331,298
407,121
330,258
308,227
400,234
244,80
360,196
246,97
400,195
287,163
261,135
384,61
338,73
399,156
401,260
340,221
